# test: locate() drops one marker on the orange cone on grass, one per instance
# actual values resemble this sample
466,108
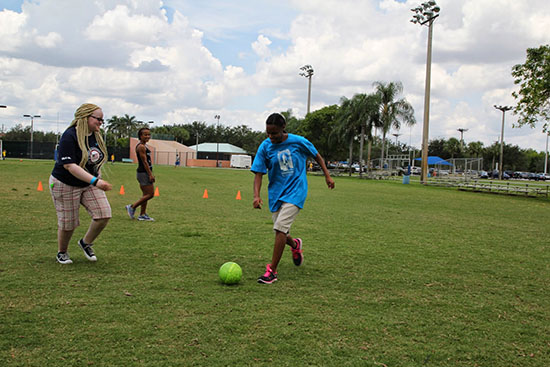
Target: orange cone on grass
157,192
121,190
39,188
238,195
205,195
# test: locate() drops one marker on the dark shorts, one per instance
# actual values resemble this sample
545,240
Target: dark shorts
143,179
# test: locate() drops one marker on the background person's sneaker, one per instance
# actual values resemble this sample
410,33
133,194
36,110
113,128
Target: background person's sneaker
269,277
297,253
88,251
131,211
63,258
146,217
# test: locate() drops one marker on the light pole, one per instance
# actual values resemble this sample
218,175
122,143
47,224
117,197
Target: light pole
32,129
462,131
546,155
1,142
426,14
503,109
217,139
307,72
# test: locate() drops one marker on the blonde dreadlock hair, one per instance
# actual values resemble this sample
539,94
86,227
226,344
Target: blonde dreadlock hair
82,131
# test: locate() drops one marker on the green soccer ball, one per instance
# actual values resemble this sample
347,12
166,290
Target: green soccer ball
230,273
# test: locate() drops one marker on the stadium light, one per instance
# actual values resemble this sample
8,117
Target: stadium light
503,109
426,13
462,131
217,139
32,130
307,72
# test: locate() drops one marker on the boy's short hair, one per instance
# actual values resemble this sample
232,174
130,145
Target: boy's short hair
276,119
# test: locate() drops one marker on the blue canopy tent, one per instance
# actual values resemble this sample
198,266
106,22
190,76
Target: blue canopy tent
435,160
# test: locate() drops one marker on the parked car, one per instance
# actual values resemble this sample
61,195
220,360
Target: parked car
540,176
531,176
483,174
505,176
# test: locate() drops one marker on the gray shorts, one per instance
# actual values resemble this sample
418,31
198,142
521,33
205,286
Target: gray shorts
284,217
143,179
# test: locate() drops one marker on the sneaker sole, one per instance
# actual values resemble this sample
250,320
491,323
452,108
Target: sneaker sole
266,281
93,258
67,262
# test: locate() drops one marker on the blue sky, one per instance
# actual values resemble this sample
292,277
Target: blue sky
177,61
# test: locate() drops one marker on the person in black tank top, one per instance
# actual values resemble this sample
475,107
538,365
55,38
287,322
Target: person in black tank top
144,176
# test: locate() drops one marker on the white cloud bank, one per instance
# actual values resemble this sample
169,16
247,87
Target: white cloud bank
158,60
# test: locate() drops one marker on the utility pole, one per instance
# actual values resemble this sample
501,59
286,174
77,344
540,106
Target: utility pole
503,109
307,72
426,14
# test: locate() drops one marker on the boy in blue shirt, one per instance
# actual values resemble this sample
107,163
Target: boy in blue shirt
283,157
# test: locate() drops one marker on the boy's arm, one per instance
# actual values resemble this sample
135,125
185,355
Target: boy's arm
257,187
328,179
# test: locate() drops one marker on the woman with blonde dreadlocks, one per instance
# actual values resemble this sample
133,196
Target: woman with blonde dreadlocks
76,180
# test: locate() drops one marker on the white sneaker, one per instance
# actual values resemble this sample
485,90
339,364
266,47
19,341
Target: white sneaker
63,258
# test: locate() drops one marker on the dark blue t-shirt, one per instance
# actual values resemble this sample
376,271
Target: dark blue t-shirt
69,152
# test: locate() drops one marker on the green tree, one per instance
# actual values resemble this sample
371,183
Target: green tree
452,147
475,149
317,126
436,147
533,96
348,125
393,112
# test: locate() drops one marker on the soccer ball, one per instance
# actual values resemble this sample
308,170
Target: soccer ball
230,273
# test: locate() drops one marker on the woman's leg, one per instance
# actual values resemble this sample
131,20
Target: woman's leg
63,238
96,226
148,193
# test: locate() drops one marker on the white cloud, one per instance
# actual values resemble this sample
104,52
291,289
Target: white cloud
167,60
51,40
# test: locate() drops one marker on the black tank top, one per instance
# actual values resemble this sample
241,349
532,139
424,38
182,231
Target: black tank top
141,164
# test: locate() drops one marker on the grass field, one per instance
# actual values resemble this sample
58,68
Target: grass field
394,275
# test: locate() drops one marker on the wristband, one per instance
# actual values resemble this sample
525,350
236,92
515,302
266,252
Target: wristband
94,181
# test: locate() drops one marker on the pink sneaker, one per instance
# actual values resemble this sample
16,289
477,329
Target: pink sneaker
297,253
269,277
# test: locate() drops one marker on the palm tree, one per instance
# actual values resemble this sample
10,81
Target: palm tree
347,124
475,148
393,112
453,146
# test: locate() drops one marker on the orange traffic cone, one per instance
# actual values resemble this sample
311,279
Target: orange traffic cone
238,195
39,188
157,192
205,195
121,189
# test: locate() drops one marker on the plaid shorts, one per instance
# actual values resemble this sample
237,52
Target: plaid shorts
67,200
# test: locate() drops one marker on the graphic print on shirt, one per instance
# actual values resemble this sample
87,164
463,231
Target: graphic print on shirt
285,162
95,155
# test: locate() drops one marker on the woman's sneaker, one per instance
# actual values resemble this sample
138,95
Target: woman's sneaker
297,253
131,211
146,217
269,277
63,258
88,251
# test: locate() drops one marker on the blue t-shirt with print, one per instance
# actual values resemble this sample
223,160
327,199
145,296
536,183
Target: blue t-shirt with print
69,152
285,164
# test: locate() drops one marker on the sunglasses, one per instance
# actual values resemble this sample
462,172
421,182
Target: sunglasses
98,119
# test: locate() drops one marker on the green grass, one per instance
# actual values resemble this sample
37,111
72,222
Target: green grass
394,275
